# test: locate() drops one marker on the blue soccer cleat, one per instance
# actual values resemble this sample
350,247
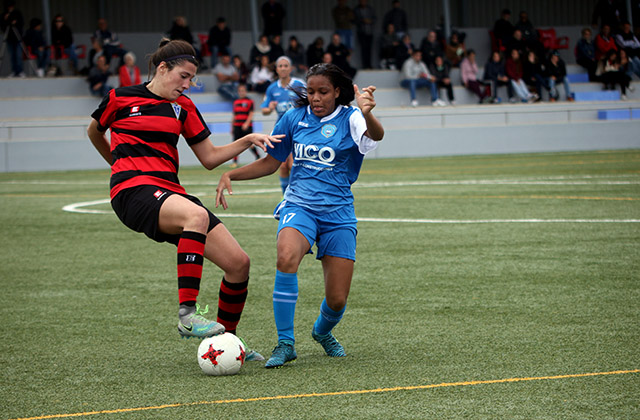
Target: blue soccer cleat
329,344
284,352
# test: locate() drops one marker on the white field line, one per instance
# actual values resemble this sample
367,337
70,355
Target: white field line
81,208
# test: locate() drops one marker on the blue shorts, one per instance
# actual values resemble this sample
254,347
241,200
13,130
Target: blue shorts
334,233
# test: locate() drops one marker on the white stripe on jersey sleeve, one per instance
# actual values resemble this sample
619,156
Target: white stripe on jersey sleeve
358,127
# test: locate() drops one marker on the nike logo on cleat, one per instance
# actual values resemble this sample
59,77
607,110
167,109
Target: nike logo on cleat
189,328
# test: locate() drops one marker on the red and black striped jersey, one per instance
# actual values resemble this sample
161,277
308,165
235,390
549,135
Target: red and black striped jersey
145,129
241,109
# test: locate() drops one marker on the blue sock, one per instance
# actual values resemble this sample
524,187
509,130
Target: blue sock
327,319
284,183
285,296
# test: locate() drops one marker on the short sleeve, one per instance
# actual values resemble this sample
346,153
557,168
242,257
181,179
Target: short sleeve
358,126
106,111
195,129
282,150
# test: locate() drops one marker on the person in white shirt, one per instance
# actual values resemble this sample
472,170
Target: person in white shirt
414,75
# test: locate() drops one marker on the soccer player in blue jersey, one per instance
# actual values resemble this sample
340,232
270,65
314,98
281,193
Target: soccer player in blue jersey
280,96
328,139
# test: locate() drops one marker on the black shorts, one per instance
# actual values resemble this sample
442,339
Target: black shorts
139,209
238,132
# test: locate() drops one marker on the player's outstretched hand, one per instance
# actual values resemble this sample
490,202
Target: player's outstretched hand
365,99
263,140
224,184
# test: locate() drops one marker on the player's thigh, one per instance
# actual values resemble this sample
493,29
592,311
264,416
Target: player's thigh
223,250
179,213
292,246
338,273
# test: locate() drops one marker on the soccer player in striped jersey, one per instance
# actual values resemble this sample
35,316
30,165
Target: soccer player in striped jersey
328,139
242,123
280,97
146,122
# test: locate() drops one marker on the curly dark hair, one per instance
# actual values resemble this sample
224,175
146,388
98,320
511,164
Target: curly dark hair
337,77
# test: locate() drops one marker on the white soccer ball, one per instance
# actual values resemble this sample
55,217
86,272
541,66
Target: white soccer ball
221,355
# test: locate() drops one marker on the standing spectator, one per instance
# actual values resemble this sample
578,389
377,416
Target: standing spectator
365,18
242,121
414,75
604,42
340,55
404,49
219,40
513,68
35,41
628,42
388,48
180,30
397,17
469,76
129,72
555,72
343,18
440,70
586,54
13,25
609,72
455,50
276,49
261,75
529,34
109,40
609,12
241,67
295,51
228,77
503,28
62,41
99,78
273,14
430,47
315,52
494,72
262,47
532,73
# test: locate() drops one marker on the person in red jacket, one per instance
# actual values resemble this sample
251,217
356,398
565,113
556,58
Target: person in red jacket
515,73
129,72
604,42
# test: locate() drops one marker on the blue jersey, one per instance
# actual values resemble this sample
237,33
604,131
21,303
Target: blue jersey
327,155
285,96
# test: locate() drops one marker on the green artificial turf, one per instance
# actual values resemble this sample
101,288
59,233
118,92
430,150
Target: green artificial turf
470,271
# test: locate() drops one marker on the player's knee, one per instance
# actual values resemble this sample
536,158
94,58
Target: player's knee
240,265
287,260
198,218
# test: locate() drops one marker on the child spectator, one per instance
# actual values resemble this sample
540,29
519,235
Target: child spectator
555,73
440,69
469,76
129,73
513,68
611,74
495,73
261,75
414,75
242,122
586,54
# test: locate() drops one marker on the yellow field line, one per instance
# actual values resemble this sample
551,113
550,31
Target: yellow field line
331,394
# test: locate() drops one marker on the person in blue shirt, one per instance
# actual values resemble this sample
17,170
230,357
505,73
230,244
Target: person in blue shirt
279,97
328,139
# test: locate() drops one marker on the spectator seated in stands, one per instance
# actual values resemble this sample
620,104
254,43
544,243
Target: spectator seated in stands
532,73
628,42
228,77
517,43
440,69
555,73
37,45
262,47
99,77
62,41
388,48
241,67
513,68
503,28
219,40
628,67
109,40
469,76
261,75
495,73
455,50
276,49
609,72
129,73
398,18
430,48
341,55
415,75
315,52
604,42
586,54
295,51
404,49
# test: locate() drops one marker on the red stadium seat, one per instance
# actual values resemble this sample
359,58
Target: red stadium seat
204,47
496,44
551,42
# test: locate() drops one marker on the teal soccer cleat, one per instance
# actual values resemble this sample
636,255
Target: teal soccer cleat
329,344
284,352
194,324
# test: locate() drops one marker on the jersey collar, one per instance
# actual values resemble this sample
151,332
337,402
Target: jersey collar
327,117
